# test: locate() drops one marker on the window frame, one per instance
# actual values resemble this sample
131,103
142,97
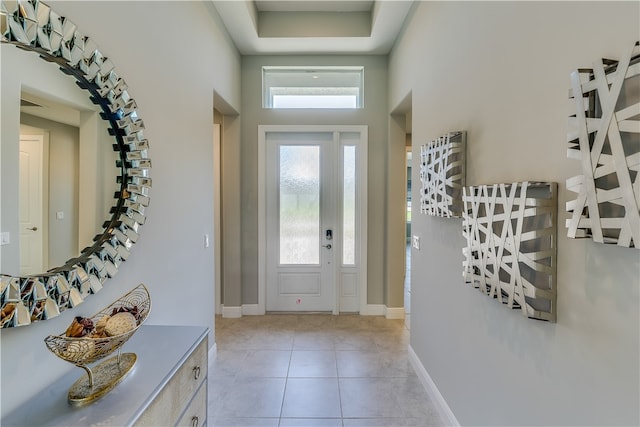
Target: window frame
302,79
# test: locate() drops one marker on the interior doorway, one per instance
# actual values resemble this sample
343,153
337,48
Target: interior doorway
226,196
407,272
227,211
402,123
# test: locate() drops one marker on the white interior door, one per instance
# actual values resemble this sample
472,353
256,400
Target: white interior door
31,193
314,227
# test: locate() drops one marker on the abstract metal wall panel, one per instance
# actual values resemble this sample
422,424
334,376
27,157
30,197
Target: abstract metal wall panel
442,173
604,135
511,245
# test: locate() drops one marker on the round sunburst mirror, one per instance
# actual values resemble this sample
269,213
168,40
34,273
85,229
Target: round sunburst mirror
33,26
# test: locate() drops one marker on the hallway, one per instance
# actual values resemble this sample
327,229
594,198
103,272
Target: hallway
296,370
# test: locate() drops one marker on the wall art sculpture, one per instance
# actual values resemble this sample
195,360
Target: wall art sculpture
511,245
604,135
442,174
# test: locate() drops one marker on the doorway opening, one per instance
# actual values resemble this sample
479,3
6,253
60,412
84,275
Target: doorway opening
226,189
401,143
407,271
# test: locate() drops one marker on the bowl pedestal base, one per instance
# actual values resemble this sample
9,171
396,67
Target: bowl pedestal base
101,378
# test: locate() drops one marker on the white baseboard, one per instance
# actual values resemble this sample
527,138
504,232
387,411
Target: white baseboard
251,310
231,312
370,310
383,310
394,312
213,352
431,388
244,310
373,310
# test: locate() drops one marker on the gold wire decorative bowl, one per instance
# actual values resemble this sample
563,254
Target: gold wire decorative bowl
85,350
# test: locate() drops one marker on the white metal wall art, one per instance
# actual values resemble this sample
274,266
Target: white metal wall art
604,135
442,174
511,245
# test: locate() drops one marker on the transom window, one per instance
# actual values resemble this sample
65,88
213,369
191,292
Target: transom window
312,87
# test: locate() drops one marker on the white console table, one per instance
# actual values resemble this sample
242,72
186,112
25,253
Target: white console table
167,386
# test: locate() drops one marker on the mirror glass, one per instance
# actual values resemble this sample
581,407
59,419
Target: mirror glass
67,172
89,178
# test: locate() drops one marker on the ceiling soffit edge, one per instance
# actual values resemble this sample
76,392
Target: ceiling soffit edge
243,23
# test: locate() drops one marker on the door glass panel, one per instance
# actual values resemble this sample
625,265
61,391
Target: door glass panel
349,206
299,204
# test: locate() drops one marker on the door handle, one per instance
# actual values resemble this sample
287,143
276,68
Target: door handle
33,228
328,246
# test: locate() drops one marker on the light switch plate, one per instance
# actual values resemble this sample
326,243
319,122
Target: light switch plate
5,238
416,242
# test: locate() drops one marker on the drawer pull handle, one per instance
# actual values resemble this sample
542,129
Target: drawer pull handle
196,372
194,421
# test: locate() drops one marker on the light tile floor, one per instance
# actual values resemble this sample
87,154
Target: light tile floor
297,370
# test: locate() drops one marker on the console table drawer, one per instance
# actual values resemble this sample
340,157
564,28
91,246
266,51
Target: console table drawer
196,413
171,402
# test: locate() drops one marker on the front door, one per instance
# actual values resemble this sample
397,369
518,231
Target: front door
313,220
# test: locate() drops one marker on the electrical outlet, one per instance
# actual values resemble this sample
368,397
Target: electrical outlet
416,242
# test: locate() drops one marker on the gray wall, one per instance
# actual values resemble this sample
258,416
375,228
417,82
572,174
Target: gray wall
373,114
501,71
173,56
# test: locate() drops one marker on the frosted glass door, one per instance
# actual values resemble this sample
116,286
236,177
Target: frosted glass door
314,201
299,204
300,210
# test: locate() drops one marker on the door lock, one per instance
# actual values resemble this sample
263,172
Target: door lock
328,234
328,246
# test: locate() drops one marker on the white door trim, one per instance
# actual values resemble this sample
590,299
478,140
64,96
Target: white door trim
217,228
362,194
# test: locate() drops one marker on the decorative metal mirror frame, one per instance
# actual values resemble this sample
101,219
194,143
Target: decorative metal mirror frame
33,26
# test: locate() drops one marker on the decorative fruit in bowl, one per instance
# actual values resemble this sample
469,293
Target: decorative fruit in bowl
89,339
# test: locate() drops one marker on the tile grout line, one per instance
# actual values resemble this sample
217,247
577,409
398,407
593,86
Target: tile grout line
286,383
335,358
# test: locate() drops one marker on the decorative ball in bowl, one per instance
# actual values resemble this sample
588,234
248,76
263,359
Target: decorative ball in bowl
89,339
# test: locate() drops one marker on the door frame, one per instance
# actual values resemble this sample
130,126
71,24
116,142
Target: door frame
263,130
217,216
